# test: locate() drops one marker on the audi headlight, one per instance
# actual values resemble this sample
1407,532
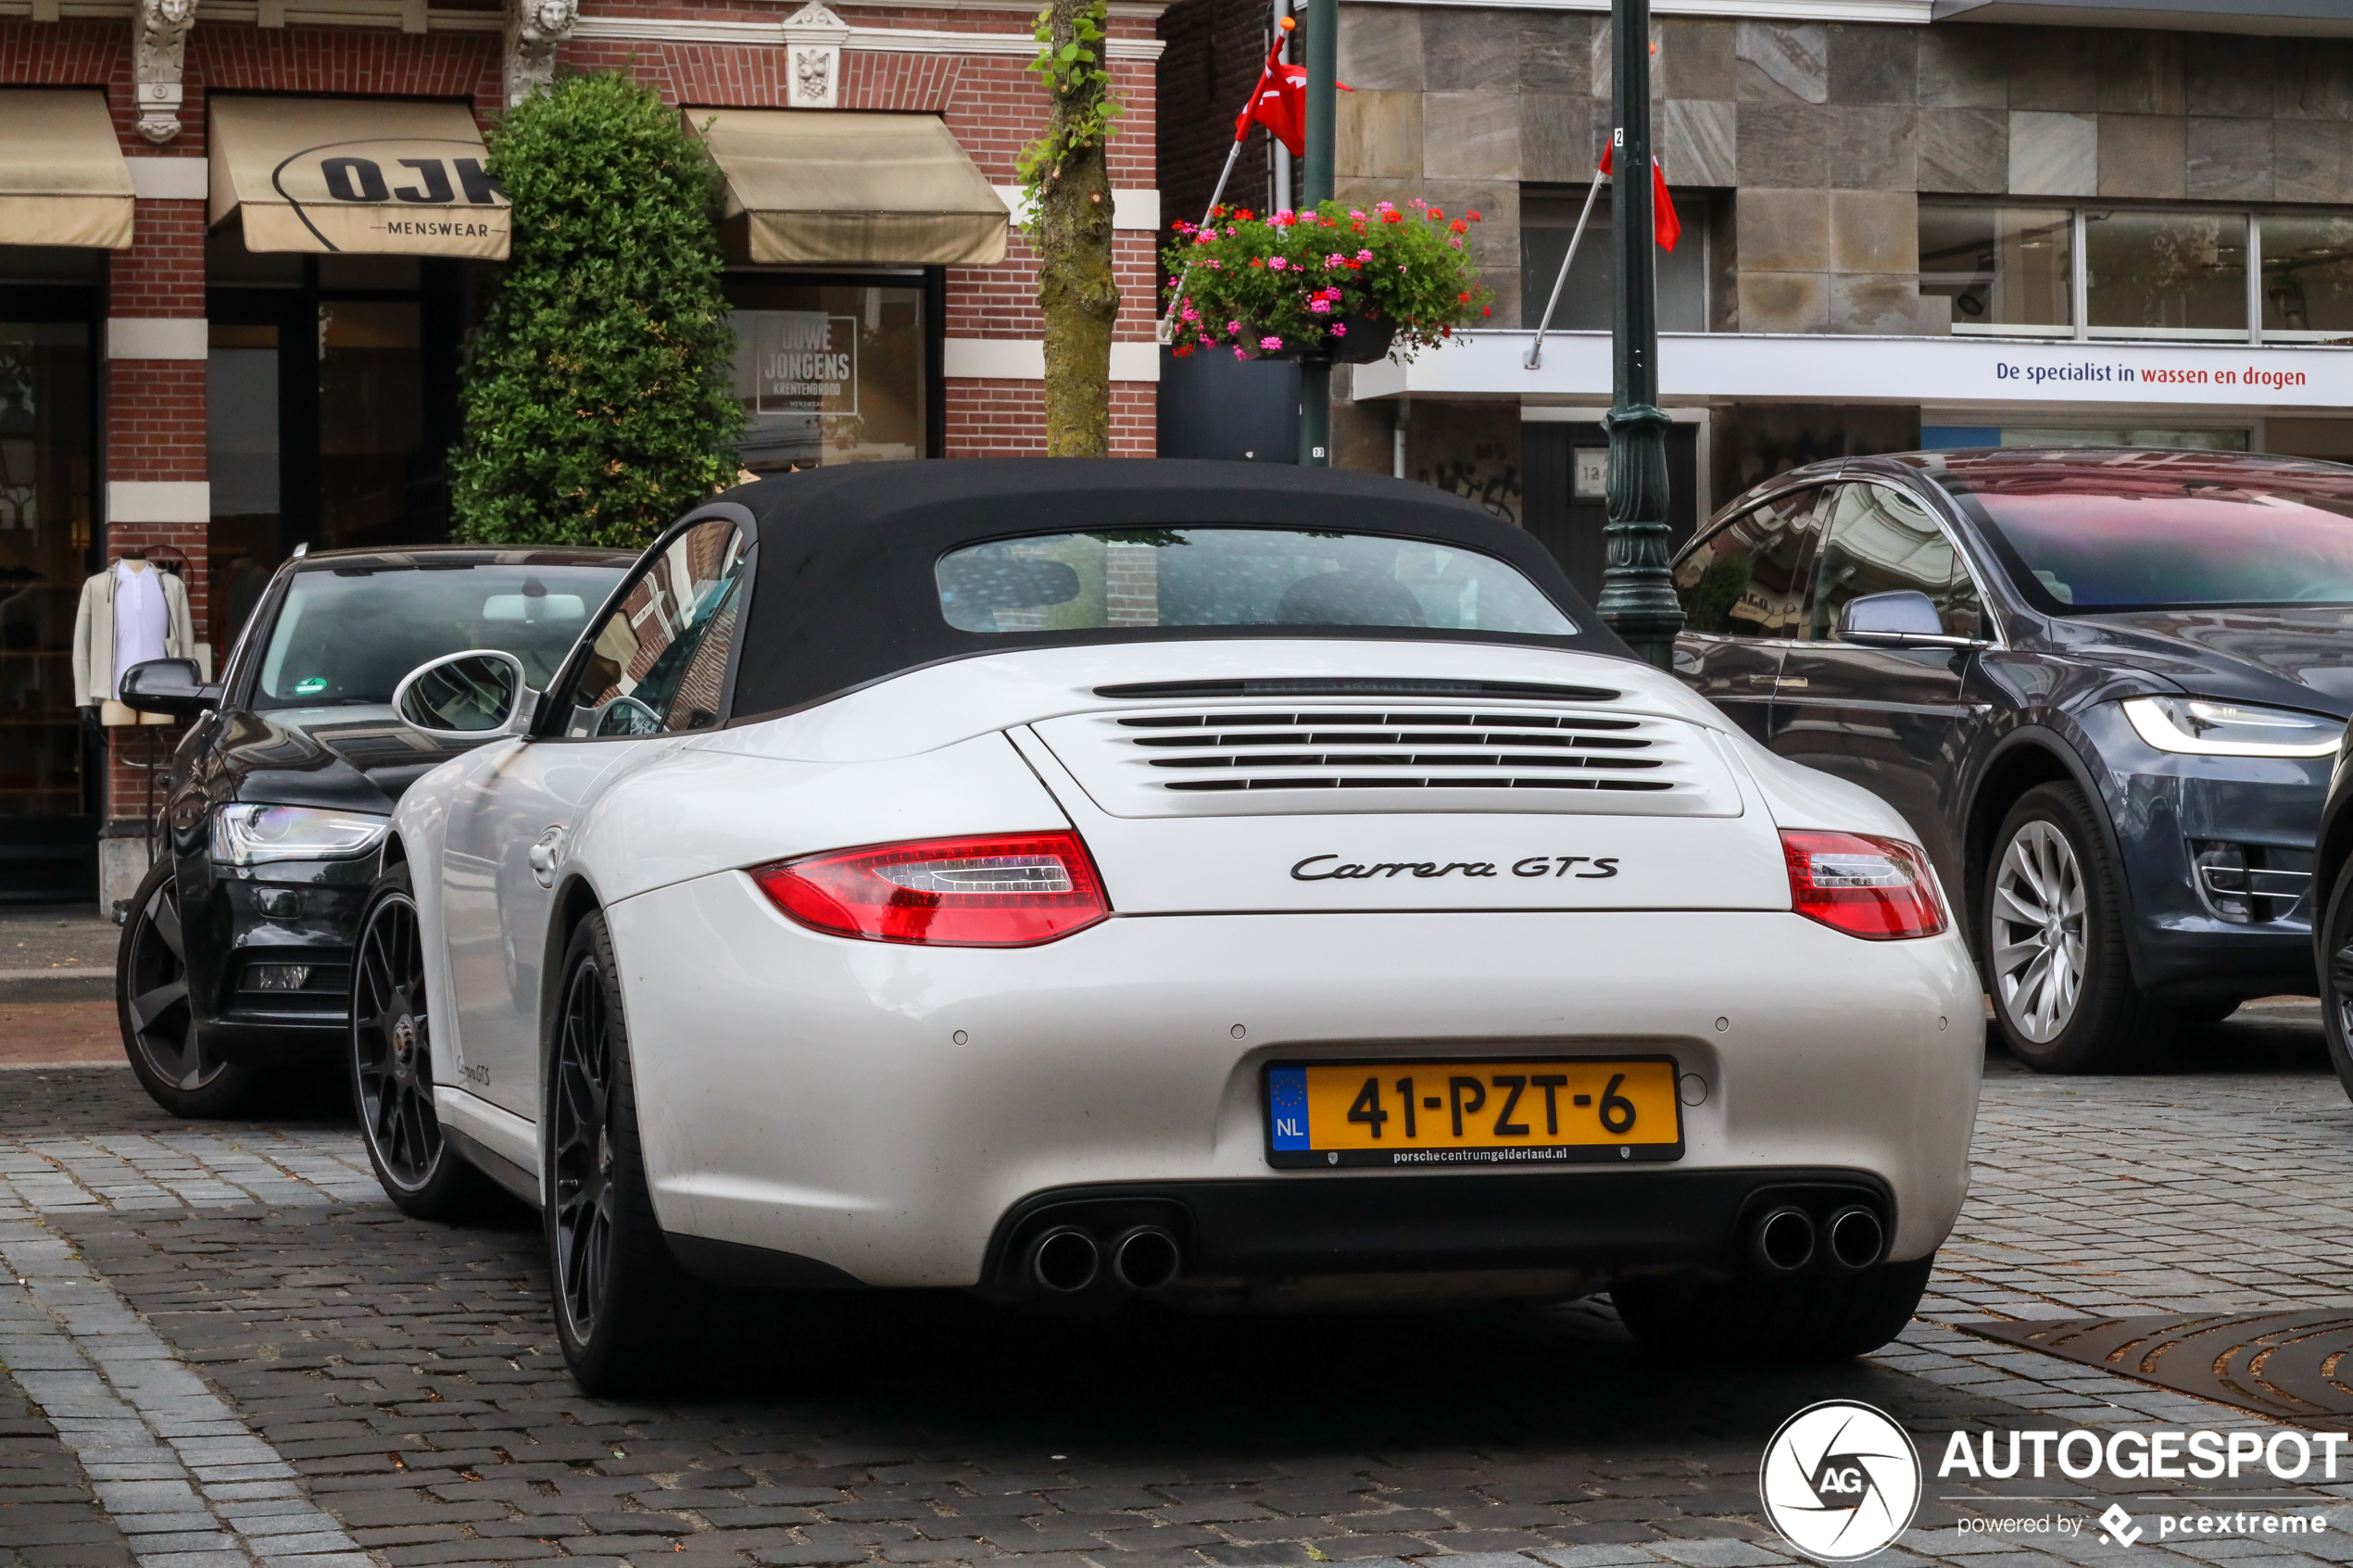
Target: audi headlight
250,835
2201,727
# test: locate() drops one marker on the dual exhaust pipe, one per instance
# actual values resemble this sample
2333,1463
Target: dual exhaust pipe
1786,1240
1067,1261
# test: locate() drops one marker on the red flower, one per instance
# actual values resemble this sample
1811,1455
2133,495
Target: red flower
1474,215
1244,213
1487,310
1459,226
1437,215
1183,350
1464,298
1392,216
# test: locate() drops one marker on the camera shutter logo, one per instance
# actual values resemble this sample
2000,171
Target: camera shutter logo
1841,1481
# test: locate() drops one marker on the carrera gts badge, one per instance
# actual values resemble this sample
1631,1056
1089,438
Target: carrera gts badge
1332,868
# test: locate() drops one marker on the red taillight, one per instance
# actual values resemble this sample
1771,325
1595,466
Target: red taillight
999,890
1877,888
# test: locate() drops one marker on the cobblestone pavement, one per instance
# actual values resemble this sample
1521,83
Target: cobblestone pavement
226,1350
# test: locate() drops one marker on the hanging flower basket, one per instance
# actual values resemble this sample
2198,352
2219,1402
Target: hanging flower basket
1339,285
1361,338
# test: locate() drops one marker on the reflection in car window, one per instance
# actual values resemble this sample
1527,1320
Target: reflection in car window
1741,579
1153,577
2173,534
1881,541
660,658
347,634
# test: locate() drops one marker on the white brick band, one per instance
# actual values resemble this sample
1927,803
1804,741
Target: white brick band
171,179
1023,359
156,337
158,501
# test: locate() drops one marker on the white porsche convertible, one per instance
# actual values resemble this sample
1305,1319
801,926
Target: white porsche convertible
1223,885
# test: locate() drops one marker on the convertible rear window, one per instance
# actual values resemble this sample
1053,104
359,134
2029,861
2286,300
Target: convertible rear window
1149,578
2079,536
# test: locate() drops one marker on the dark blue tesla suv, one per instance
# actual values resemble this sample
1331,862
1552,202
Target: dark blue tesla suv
2107,687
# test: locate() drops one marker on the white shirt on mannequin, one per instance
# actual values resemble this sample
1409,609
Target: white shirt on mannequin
140,619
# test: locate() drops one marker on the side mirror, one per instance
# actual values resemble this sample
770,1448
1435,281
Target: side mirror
472,696
1905,619
169,685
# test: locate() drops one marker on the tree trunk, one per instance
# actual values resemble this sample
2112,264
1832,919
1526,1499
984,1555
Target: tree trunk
1076,289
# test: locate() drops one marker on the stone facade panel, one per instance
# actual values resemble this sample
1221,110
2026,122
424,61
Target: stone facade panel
1698,58
1784,302
2054,70
1380,48
1875,147
1876,303
2143,156
2054,155
2232,159
1785,62
1783,231
1874,232
2230,74
1786,143
1964,150
2315,163
1964,68
1557,140
2313,79
1874,65
1470,135
1698,142
1380,133
1556,52
1470,51
2143,73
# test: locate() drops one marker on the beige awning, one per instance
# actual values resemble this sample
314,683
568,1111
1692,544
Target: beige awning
356,175
824,186
62,178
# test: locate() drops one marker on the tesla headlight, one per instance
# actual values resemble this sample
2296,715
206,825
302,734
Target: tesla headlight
250,835
2202,727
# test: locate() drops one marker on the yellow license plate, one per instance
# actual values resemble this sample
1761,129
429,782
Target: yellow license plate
1528,1110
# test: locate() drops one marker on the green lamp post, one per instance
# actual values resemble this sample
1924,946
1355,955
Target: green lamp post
1322,26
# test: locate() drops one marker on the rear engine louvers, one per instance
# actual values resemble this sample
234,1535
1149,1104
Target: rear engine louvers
1331,749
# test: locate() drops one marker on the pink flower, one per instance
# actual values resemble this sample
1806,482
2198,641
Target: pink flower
1320,305
1456,243
1233,329
1364,256
1270,343
1339,329
1277,262
1358,216
1240,353
1172,282
1192,315
1332,295
1384,207
1335,259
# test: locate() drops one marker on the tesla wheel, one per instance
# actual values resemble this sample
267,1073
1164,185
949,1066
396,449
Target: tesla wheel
621,1296
2337,976
2053,909
169,1054
1810,1317
392,1069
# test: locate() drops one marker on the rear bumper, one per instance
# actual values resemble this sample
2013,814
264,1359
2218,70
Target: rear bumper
887,1112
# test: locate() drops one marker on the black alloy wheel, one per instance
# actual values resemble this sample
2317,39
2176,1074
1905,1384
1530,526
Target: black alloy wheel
179,1070
391,1075
2337,976
621,1296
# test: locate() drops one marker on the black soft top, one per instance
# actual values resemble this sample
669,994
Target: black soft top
845,592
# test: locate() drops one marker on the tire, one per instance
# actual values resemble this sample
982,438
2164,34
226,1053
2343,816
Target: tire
167,1054
1809,1317
2337,976
392,1065
2053,915
621,1298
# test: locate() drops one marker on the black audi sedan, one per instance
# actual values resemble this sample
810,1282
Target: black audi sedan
2106,686
236,948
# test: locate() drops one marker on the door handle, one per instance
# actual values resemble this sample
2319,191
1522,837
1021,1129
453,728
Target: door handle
542,856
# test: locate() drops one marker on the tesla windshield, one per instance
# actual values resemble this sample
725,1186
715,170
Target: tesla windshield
1152,577
347,635
2081,537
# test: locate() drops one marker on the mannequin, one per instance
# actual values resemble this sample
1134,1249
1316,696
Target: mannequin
130,612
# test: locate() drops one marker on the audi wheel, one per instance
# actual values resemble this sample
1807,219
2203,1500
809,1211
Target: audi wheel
180,1069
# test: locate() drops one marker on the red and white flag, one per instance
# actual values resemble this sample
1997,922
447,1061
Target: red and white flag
1279,101
1664,223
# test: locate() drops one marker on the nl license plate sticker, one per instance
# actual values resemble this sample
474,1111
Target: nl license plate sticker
1525,1112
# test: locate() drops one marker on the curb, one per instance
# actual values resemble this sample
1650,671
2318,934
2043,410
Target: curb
56,984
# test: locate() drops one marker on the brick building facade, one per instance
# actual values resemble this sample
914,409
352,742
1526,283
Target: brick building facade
169,397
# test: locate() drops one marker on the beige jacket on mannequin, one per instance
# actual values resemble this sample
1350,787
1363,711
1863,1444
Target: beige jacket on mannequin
94,672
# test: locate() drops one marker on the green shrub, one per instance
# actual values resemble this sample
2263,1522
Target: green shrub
599,398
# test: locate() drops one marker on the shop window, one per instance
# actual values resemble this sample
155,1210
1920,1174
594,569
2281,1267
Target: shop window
2006,268
2165,275
44,555
1547,219
370,421
242,457
830,372
2308,274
